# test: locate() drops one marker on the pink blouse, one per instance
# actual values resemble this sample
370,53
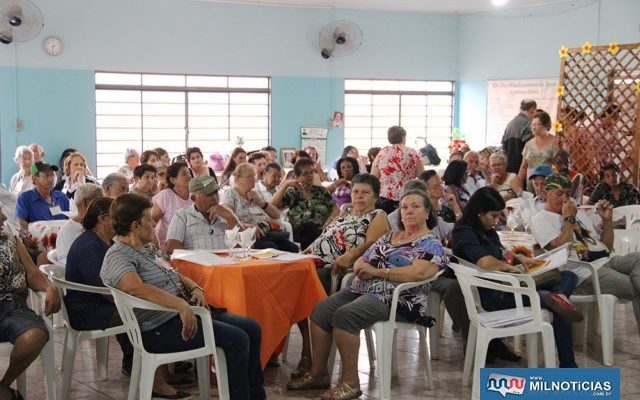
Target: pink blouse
169,202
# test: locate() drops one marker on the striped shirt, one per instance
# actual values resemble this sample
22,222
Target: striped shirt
122,258
191,228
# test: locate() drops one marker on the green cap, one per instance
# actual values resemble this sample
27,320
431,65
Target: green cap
203,184
42,166
557,181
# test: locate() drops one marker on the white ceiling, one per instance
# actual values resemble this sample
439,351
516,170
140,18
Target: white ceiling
438,6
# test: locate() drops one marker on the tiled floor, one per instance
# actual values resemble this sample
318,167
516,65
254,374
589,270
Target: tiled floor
411,383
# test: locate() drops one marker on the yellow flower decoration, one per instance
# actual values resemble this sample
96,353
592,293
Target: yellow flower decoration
586,47
563,52
557,126
613,48
638,85
559,90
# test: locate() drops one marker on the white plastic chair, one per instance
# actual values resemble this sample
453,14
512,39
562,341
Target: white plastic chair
145,363
625,241
385,340
631,215
46,356
605,310
53,257
487,325
73,337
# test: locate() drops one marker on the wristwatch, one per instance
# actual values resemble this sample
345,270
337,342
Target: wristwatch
570,219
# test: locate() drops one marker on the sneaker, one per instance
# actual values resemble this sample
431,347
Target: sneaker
176,396
559,305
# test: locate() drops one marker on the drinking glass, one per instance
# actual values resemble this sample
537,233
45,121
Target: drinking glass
231,239
247,239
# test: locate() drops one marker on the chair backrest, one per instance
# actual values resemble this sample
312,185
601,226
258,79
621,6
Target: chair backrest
626,241
470,279
52,256
125,304
631,215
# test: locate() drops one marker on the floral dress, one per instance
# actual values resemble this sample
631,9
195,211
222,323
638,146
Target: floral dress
412,303
13,279
316,209
629,195
397,164
345,233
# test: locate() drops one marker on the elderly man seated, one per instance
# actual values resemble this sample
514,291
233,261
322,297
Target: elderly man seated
202,224
18,323
41,203
561,222
84,195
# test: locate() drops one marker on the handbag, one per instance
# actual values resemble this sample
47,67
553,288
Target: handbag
547,279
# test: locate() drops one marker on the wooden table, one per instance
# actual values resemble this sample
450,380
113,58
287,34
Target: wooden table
275,294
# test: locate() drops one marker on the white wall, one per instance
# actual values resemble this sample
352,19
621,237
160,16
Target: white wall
525,43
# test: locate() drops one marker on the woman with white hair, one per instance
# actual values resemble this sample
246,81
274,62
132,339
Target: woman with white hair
21,181
132,160
506,183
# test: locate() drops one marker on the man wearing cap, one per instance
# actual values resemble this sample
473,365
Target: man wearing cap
537,181
202,224
561,222
41,203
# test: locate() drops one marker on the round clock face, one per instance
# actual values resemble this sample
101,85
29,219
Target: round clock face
52,46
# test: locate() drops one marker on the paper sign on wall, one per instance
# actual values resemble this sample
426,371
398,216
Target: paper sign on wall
503,102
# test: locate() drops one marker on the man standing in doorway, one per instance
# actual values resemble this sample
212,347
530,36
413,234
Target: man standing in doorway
517,133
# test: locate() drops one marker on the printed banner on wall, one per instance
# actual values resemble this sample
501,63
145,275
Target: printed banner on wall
315,137
503,102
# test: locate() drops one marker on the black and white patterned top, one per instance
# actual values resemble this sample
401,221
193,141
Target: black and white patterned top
13,278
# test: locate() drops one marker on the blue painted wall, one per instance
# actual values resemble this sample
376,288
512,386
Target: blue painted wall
56,107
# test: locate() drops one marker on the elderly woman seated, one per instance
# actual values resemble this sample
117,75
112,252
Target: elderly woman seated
89,311
252,210
506,183
132,266
357,227
311,207
409,255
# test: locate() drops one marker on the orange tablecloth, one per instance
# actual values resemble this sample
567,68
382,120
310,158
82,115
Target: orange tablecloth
275,294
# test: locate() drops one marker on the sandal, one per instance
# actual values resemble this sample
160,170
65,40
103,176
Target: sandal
176,396
304,366
15,395
182,382
307,382
342,392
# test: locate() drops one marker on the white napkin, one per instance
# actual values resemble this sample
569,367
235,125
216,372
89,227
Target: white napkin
247,234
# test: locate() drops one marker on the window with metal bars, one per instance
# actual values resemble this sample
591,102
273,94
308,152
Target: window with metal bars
145,111
423,108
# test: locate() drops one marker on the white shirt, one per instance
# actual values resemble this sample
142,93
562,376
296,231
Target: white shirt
20,183
189,227
266,194
66,236
547,225
471,185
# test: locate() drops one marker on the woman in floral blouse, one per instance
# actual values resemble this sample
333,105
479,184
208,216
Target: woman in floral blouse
342,242
311,207
394,165
611,189
409,255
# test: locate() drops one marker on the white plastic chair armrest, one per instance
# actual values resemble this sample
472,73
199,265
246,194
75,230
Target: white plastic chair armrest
406,286
81,287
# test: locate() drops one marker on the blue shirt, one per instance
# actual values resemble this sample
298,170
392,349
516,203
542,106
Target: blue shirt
32,207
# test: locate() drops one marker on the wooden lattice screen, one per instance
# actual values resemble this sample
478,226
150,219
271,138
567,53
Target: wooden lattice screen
598,108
